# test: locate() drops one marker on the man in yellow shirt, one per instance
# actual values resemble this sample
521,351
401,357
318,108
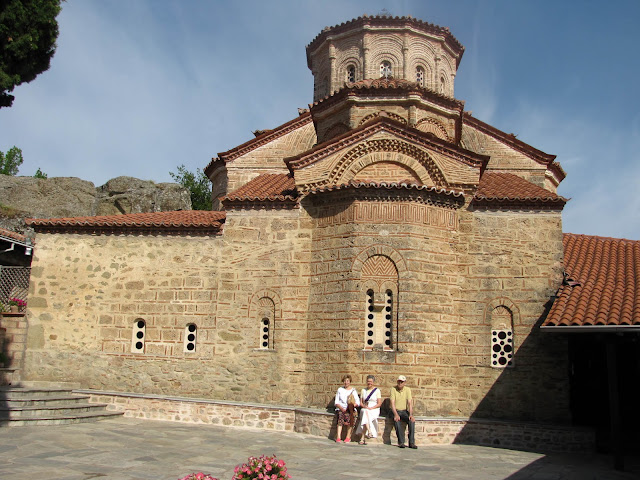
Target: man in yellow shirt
402,408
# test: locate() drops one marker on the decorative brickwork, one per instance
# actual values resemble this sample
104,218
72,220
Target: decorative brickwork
377,233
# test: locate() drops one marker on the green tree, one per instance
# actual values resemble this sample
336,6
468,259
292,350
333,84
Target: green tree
10,162
28,33
40,174
198,184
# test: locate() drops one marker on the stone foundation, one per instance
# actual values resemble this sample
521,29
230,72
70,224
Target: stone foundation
429,431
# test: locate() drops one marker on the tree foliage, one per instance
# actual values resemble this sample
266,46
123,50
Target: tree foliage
40,174
28,33
198,184
10,163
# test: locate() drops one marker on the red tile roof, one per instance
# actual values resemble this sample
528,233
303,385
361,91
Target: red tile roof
179,222
602,283
509,139
387,21
507,188
385,86
268,187
13,235
303,118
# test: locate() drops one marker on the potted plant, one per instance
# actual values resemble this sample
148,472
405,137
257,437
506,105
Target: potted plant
17,304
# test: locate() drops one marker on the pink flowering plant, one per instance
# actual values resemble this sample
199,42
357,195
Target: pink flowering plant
198,476
263,468
17,302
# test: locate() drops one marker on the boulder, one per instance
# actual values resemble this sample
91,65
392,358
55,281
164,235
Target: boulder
28,197
132,195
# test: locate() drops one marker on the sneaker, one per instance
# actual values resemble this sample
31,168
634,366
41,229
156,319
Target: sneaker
413,445
402,445
338,440
347,440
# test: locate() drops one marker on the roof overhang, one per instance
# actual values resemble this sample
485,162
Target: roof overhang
591,329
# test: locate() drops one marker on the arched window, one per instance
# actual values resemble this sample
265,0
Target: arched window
351,74
266,326
138,336
190,333
420,76
380,279
442,84
385,69
502,350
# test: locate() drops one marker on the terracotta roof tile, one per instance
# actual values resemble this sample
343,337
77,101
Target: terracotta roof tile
602,283
183,221
268,187
509,139
385,86
512,189
387,20
13,235
303,118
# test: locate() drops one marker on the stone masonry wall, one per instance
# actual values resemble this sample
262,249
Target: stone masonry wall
418,239
511,264
88,292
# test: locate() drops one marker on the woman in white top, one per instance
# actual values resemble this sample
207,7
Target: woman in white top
345,409
371,402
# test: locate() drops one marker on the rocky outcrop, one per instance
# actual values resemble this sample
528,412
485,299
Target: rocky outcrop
28,197
132,195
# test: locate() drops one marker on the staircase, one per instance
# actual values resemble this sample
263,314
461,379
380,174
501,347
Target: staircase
21,406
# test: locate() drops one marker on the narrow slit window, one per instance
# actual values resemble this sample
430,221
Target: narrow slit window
190,335
138,336
385,69
388,320
351,74
370,321
265,330
420,76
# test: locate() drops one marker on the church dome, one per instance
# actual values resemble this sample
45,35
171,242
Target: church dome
367,48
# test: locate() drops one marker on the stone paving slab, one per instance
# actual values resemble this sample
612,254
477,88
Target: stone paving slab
132,449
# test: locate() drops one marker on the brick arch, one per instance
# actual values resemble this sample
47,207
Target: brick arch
429,125
256,302
505,303
335,130
374,250
342,68
412,157
383,113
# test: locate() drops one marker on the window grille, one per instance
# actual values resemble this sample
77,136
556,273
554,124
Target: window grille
14,283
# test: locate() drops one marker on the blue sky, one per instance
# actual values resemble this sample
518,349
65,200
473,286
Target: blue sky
139,87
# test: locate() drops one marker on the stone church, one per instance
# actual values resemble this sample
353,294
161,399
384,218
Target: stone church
384,230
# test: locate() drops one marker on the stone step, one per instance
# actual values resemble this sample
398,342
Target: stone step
50,410
21,406
46,401
15,393
44,384
59,420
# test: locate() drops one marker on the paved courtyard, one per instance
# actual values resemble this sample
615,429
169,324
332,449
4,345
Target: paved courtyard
130,449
